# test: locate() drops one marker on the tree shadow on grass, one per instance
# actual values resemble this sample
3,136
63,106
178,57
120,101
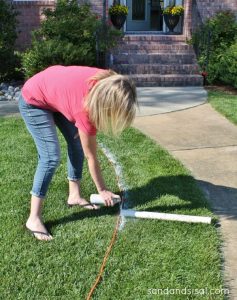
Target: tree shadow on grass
193,195
180,186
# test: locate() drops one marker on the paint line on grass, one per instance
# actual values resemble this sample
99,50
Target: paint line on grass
121,183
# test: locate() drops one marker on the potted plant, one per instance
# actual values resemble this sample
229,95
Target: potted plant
172,15
118,14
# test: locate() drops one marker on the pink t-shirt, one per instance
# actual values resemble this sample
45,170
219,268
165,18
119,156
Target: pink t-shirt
62,89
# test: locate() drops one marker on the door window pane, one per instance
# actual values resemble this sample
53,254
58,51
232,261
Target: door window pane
138,9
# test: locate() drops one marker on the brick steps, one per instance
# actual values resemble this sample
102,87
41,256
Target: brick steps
129,69
150,51
157,60
153,58
156,38
152,47
145,80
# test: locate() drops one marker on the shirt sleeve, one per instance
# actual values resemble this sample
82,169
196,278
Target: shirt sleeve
83,123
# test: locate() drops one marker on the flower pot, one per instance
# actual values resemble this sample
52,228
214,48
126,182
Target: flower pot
171,21
118,20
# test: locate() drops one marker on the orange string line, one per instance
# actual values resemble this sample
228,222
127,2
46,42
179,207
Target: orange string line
99,276
112,242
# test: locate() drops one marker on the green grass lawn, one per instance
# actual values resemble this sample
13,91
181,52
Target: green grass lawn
148,254
224,103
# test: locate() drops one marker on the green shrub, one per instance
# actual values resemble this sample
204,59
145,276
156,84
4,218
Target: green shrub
68,37
228,66
213,39
7,40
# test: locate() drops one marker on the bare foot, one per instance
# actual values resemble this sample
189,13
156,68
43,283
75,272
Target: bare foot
36,224
81,202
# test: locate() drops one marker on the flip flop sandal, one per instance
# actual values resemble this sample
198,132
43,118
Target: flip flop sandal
82,205
35,231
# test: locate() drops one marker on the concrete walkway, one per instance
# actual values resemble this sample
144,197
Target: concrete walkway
206,143
158,100
181,120
8,108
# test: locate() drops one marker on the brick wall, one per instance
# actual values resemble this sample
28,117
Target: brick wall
97,6
187,24
30,16
197,11
207,8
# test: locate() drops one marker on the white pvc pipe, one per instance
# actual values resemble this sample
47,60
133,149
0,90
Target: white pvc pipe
164,216
97,199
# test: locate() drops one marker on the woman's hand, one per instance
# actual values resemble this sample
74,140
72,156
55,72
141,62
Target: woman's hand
107,197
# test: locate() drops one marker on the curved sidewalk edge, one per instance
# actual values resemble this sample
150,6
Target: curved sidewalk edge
160,100
206,143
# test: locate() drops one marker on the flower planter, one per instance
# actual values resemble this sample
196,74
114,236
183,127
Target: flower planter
171,21
118,20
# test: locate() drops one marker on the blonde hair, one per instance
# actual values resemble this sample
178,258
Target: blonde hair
111,102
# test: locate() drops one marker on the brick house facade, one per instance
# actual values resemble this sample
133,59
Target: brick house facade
31,13
148,54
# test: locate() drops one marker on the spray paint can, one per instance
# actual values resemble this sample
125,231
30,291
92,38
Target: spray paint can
97,199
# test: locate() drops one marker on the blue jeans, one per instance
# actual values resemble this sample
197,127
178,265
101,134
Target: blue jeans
41,124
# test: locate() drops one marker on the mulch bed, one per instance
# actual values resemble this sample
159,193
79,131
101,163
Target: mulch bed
222,88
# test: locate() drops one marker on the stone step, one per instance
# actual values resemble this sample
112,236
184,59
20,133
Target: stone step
152,51
152,47
156,68
154,58
150,80
154,37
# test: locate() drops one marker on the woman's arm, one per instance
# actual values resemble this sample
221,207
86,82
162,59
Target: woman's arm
89,146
